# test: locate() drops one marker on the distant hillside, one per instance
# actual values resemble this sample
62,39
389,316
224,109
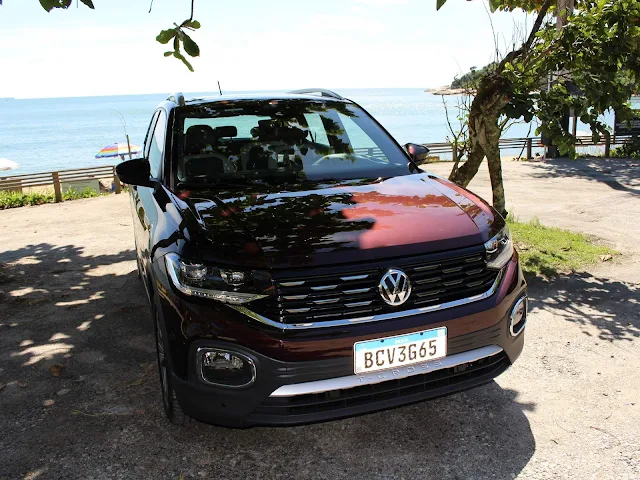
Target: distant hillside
470,80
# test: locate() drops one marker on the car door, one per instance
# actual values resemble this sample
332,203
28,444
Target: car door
145,203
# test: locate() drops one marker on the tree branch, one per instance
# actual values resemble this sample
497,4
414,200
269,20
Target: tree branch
532,36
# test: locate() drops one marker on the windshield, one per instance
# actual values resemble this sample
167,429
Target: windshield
280,141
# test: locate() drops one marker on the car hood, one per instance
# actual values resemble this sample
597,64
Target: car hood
343,222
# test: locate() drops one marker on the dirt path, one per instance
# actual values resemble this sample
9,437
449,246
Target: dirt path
569,408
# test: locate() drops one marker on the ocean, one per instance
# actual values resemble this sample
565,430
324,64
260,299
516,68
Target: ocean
62,133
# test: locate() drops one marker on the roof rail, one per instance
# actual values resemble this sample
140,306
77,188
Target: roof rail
322,91
177,98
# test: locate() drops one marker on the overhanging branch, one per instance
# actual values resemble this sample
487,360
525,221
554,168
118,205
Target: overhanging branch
532,36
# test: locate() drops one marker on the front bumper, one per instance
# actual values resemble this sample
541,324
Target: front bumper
291,389
286,358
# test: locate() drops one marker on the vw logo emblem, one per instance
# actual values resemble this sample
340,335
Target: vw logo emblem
395,287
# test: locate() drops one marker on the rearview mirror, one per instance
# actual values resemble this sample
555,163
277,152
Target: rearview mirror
417,153
135,172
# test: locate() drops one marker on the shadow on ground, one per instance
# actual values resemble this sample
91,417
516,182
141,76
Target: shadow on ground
79,398
601,306
619,174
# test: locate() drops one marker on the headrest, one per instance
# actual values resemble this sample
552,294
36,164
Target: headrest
197,138
267,130
226,131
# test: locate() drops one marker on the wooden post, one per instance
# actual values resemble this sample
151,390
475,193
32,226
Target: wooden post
56,186
116,182
607,146
529,148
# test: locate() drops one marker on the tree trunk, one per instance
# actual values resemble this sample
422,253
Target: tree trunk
495,173
484,137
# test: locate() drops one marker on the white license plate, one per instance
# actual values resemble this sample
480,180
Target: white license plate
399,351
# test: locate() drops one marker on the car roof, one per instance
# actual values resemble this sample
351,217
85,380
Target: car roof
312,95
258,97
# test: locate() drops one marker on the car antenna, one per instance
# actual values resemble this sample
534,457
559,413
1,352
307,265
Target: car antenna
219,89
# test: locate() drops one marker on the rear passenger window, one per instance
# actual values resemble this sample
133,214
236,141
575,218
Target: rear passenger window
156,149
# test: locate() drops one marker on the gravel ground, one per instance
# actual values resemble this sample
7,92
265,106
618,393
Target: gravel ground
79,394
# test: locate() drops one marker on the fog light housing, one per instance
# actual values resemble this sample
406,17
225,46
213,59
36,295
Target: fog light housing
225,368
518,316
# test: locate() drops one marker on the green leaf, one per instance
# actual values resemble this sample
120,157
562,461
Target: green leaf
190,46
47,5
194,24
88,3
440,3
494,5
168,54
165,35
184,60
179,56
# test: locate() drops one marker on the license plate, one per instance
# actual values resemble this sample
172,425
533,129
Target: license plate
399,351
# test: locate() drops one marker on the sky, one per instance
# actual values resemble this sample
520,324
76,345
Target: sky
246,44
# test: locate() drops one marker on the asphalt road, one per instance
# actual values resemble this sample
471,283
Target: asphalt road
79,393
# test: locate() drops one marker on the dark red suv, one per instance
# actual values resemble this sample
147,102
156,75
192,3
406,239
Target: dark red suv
301,266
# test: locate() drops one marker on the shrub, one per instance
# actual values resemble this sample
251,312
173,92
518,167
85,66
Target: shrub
628,150
19,199
73,194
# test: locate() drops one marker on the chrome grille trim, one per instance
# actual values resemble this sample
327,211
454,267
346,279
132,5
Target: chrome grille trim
327,300
354,277
295,297
357,290
358,304
291,284
324,287
371,318
298,310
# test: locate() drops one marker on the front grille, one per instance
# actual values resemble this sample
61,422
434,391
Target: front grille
353,293
416,387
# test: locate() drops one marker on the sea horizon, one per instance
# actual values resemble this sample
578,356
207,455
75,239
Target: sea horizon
48,134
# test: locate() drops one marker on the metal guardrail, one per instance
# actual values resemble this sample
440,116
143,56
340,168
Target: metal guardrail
60,177
529,143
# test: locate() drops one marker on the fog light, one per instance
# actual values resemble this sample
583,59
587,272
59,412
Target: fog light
518,316
225,368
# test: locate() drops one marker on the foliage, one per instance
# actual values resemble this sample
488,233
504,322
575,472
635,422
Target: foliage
471,80
628,150
74,194
598,53
177,33
10,199
547,251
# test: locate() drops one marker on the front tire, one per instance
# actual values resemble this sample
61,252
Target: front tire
169,400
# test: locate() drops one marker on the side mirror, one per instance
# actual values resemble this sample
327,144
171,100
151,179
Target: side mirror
135,172
417,153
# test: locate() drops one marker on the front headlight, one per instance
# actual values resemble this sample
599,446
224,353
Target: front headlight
499,249
225,285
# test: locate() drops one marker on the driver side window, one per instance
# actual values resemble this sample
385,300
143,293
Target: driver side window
156,147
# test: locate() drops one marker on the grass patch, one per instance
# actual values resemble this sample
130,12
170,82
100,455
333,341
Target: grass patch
20,199
548,251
